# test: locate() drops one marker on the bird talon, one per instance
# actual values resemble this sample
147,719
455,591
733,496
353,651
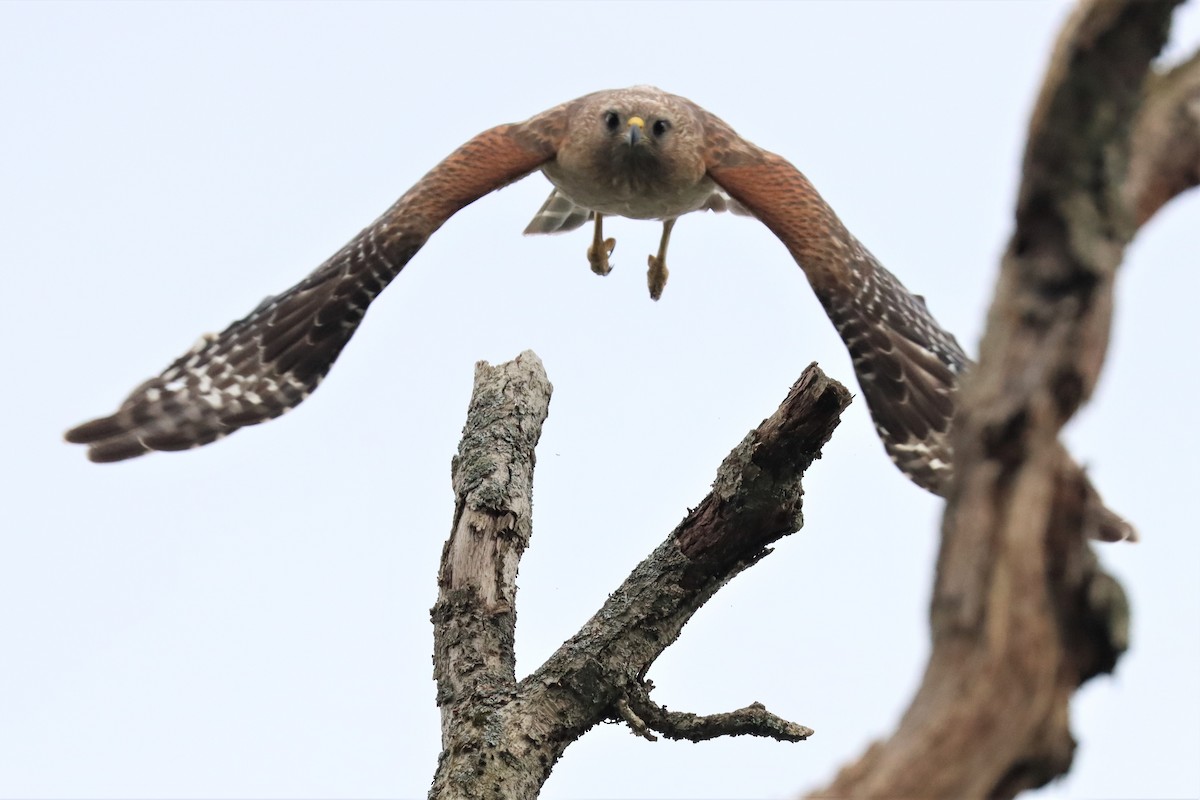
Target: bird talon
598,258
656,276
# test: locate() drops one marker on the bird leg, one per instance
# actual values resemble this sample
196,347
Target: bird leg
656,276
601,248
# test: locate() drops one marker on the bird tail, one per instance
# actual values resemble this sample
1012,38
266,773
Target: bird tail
558,214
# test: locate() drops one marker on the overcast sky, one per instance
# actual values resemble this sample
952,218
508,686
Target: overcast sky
251,619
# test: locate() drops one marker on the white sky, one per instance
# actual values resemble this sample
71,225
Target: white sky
251,619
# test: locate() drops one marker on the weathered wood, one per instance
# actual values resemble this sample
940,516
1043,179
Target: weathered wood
501,737
1022,614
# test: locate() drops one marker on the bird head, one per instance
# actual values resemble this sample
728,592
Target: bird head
621,143
640,130
636,137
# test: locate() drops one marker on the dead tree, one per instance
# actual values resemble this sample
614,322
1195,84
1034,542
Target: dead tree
1021,615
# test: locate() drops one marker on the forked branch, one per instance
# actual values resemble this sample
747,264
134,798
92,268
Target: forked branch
501,737
1022,614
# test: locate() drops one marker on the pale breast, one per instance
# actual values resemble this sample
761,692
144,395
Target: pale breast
633,194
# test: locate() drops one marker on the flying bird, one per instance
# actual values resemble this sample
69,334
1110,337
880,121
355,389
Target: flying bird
644,198
639,153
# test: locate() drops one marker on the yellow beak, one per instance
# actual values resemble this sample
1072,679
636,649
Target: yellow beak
636,128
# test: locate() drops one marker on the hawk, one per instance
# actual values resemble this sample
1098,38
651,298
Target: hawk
639,153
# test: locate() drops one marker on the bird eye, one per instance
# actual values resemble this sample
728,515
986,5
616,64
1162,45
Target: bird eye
661,126
611,120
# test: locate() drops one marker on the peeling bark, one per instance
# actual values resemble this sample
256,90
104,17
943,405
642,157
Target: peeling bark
501,737
1022,613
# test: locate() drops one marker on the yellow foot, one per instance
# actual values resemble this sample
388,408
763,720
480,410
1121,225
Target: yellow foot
599,260
656,276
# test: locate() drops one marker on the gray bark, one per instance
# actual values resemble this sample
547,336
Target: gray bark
501,737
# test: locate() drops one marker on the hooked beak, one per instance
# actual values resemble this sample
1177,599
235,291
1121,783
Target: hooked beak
636,126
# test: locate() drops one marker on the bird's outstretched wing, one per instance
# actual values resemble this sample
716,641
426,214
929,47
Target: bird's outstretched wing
906,364
267,363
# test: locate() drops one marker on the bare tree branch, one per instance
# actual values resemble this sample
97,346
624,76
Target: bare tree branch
475,616
501,738
752,720
1022,613
1165,155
